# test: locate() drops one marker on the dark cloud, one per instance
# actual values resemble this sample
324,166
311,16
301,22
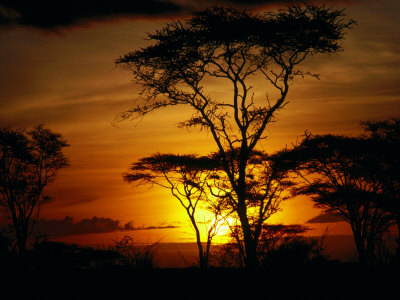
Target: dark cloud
129,226
68,226
325,218
49,14
257,1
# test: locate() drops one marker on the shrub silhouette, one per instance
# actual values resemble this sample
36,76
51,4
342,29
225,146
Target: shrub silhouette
293,252
132,255
49,255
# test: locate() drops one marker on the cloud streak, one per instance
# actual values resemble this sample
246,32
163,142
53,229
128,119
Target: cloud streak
68,226
325,218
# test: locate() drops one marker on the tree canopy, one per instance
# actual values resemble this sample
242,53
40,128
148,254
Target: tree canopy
187,177
29,161
341,174
386,135
236,47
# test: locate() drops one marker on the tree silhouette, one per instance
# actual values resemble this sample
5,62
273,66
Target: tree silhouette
339,173
29,161
186,177
386,135
201,181
232,46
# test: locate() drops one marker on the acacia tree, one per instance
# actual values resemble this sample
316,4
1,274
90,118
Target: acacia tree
201,181
341,176
386,135
29,161
186,177
234,46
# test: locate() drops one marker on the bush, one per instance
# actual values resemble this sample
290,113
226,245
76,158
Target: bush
294,251
139,257
226,256
49,255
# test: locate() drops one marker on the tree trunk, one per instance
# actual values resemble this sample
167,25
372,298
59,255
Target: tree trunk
203,262
21,234
250,245
251,254
22,237
360,245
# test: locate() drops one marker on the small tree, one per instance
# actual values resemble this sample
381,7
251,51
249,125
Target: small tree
386,135
186,177
232,46
201,181
29,161
338,172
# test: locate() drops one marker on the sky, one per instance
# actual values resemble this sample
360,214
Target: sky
57,68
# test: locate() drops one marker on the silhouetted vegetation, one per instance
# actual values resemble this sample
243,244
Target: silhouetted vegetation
386,155
352,177
29,161
279,245
293,268
186,176
286,245
200,182
233,46
134,256
58,257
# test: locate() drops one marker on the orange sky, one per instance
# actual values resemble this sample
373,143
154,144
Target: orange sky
67,80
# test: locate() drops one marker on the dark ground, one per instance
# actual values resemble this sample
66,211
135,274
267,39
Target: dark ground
60,271
325,281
